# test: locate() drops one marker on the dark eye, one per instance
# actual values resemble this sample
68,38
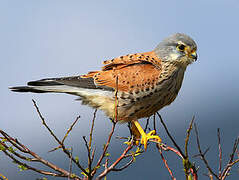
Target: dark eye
181,47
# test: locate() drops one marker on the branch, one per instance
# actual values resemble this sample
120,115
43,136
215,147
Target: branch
112,167
202,155
58,141
220,152
165,161
188,166
171,138
92,128
231,162
89,156
187,137
105,149
24,149
69,130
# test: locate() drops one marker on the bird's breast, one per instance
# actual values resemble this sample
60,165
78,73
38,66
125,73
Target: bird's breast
149,100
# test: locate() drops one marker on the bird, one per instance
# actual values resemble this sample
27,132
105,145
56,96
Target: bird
136,85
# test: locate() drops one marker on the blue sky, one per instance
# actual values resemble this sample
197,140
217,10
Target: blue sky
62,38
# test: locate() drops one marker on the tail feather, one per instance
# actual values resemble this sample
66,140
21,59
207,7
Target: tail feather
43,82
89,93
72,85
26,89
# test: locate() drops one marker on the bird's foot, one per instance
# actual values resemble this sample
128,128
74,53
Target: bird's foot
141,137
146,137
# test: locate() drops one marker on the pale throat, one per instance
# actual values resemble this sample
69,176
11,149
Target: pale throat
182,61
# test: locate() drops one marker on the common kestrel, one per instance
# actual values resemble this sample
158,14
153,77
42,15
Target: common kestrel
144,82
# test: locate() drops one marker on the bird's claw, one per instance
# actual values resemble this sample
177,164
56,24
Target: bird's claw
146,137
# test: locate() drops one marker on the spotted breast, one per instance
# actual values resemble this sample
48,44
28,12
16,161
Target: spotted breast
152,94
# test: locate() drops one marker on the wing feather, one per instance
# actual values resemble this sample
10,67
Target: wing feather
132,71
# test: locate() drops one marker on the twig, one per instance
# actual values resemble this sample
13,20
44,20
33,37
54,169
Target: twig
154,120
69,130
202,155
58,141
89,156
24,149
168,148
187,137
66,135
231,162
32,168
220,152
70,165
174,142
147,124
89,146
124,167
92,128
105,149
116,100
92,155
188,168
165,161
111,168
12,142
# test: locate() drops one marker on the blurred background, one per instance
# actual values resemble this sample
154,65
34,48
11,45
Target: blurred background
40,39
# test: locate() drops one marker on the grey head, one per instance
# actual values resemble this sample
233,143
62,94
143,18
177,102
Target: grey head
179,48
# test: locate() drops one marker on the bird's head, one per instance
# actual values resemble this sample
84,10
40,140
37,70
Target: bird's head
178,48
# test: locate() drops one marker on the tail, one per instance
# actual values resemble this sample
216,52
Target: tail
101,97
71,85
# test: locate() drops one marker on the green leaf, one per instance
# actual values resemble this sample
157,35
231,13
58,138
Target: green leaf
84,174
2,148
107,154
3,140
77,159
87,170
11,149
73,175
22,167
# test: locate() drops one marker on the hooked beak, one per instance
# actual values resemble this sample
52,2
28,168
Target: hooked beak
191,53
194,55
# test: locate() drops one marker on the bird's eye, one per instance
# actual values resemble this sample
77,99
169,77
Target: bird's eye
181,47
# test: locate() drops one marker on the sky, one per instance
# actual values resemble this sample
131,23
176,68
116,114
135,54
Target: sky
41,39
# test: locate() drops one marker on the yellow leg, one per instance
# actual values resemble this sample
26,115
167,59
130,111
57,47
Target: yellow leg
138,131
